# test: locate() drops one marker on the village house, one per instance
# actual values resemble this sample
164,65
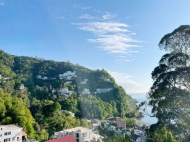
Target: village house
63,91
68,82
85,91
81,134
53,91
137,138
63,139
71,113
120,123
68,75
45,78
104,90
39,77
21,87
11,133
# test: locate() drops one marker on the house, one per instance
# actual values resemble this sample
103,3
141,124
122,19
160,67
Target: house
106,124
69,75
111,128
45,78
21,87
85,91
11,133
81,134
39,77
128,132
63,91
53,91
68,82
71,113
103,90
137,138
120,123
139,132
63,139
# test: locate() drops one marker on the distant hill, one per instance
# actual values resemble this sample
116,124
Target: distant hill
88,93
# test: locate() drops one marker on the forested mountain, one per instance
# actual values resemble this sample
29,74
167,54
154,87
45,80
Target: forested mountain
32,95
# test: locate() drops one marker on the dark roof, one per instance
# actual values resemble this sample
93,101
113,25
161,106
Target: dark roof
135,137
63,139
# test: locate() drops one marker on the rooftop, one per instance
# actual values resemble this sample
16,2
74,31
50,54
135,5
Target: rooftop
63,139
79,129
10,127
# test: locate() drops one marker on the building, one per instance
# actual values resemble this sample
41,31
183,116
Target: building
21,87
39,77
85,91
137,138
120,122
63,91
53,91
71,113
45,78
11,133
81,134
63,139
104,90
69,75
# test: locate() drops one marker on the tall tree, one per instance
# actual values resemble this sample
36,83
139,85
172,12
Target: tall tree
170,92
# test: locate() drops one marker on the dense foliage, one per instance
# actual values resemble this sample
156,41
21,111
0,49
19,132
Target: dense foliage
39,110
170,92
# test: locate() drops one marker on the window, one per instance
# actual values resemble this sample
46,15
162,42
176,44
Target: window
17,138
9,133
13,139
77,135
0,135
5,133
1,128
7,140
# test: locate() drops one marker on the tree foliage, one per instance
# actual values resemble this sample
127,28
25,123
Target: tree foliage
170,92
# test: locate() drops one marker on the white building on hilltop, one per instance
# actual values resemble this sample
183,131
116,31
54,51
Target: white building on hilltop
21,87
69,75
85,91
81,134
104,90
64,91
10,133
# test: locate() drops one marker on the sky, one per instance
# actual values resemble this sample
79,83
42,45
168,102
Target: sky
120,36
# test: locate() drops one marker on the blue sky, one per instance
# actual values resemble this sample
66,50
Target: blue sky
119,36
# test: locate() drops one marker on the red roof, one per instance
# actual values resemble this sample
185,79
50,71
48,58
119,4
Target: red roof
24,134
63,139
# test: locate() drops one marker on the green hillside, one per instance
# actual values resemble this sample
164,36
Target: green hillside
41,106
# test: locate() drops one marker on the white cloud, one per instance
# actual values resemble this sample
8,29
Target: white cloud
87,16
112,37
127,82
103,27
2,4
107,16
78,6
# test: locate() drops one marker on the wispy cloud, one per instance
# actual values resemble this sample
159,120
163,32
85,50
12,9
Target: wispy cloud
107,16
60,17
87,16
2,4
128,83
112,37
81,7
